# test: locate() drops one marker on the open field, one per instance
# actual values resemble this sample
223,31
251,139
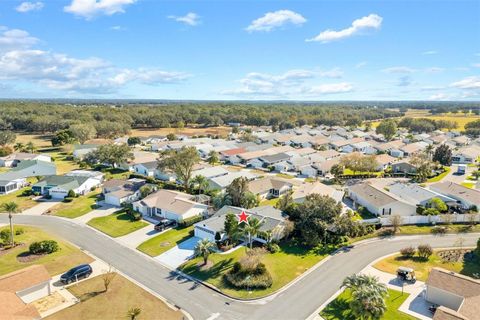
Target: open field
67,257
23,202
63,164
422,267
117,224
339,308
284,266
222,131
165,241
122,295
39,140
78,207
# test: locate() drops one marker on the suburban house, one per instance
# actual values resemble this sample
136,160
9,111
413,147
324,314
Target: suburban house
461,141
13,159
415,194
270,160
467,197
226,154
169,204
59,186
80,150
384,161
146,168
16,178
116,191
466,155
210,172
269,187
87,173
19,288
272,221
224,181
378,201
404,167
413,148
457,296
305,189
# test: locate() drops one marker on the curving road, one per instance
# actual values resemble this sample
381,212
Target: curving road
297,302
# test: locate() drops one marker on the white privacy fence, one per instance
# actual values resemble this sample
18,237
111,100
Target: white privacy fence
450,218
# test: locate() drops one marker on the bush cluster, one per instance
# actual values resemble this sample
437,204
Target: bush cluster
44,247
242,277
423,251
190,221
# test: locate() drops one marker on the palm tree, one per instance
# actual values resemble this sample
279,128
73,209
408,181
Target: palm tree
203,249
429,151
201,182
19,146
133,313
251,229
368,296
11,207
30,147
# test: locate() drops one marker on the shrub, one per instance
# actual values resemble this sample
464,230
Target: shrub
136,216
430,212
27,192
48,197
420,210
408,252
439,230
44,247
5,236
19,231
71,194
273,247
67,199
190,221
424,251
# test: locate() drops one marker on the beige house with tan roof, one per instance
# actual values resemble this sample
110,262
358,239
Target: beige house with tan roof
169,204
457,295
269,187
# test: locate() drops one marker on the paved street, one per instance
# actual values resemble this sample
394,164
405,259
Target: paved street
297,302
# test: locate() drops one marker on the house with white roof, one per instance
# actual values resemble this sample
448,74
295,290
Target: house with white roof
16,178
13,159
467,197
221,182
415,194
301,192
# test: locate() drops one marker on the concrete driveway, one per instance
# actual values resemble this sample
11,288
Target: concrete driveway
179,254
134,239
41,207
104,210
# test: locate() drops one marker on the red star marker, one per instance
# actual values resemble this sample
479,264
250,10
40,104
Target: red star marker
243,217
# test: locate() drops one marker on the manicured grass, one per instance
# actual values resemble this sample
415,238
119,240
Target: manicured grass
470,185
66,258
165,241
310,179
63,164
22,201
115,173
270,202
122,295
339,308
422,267
349,172
440,176
78,207
284,175
284,266
117,224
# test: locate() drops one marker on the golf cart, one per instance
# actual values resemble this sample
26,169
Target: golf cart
406,274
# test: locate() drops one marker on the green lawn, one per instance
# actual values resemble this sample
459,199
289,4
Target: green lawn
23,202
284,175
78,207
422,267
469,185
349,172
284,266
115,173
117,224
270,202
440,176
339,308
67,257
165,241
63,164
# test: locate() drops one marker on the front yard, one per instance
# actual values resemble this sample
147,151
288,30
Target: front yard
24,202
78,207
117,224
284,266
422,267
67,257
165,241
339,308
440,176
121,296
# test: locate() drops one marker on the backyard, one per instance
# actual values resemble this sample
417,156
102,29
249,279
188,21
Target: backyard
422,267
339,308
117,224
165,241
122,295
284,266
62,162
67,257
78,207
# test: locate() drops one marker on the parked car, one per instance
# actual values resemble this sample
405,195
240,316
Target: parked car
164,224
77,273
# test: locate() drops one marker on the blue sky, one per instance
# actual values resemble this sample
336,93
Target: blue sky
303,50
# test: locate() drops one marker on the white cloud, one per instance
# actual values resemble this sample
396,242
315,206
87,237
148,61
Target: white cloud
91,8
430,52
191,19
333,73
15,39
29,6
468,83
117,28
399,69
372,21
439,96
148,76
331,88
274,20
476,65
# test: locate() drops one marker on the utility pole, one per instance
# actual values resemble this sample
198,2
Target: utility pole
11,229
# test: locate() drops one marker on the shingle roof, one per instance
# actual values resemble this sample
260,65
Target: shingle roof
24,278
457,190
265,184
65,182
373,195
170,200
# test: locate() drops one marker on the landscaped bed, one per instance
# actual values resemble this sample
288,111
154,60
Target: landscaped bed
60,261
465,264
440,176
117,224
121,296
165,241
284,266
339,308
77,207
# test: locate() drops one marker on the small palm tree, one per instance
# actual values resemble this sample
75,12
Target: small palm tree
30,147
368,296
133,313
251,229
201,182
429,151
19,146
11,207
203,249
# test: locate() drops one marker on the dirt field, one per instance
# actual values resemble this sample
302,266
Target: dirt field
39,140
